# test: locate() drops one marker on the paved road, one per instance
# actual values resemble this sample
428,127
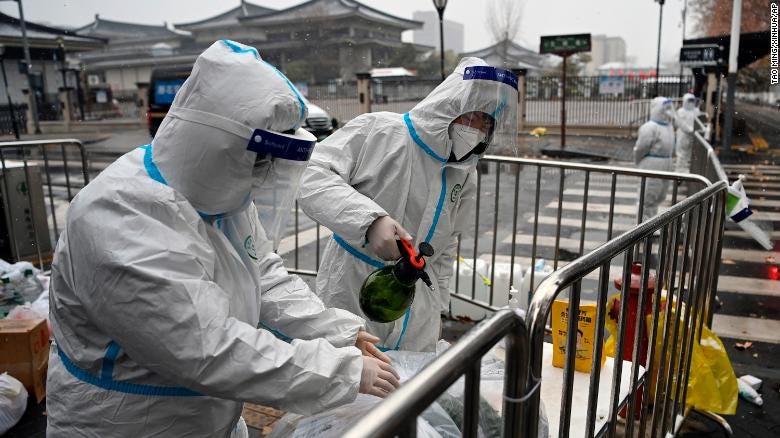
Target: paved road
762,120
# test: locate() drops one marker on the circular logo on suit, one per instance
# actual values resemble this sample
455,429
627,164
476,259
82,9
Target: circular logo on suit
455,192
249,246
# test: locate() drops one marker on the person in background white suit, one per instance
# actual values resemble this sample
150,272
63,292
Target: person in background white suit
685,121
653,151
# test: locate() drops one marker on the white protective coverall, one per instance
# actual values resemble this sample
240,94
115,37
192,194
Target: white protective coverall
653,151
393,164
685,121
162,310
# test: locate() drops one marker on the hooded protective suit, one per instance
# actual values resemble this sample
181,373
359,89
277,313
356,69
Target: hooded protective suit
653,151
161,308
685,122
393,164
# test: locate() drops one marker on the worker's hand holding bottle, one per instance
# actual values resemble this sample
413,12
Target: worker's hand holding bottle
381,236
377,378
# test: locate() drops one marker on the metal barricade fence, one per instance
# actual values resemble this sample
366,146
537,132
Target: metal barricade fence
397,415
686,263
39,179
526,210
686,260
704,160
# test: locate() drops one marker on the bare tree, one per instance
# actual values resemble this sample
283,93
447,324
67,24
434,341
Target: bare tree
503,23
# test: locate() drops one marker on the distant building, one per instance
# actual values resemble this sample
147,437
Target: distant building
605,49
625,69
45,55
429,34
325,39
131,52
510,55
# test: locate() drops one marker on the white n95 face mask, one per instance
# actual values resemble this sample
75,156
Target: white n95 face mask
464,139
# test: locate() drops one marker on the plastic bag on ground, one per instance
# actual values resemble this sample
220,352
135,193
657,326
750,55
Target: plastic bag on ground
13,402
432,423
442,419
712,384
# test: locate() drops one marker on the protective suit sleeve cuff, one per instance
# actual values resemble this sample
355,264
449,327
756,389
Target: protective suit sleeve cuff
347,336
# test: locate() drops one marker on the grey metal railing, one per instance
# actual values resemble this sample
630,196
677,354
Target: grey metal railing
685,262
704,160
520,218
397,415
39,179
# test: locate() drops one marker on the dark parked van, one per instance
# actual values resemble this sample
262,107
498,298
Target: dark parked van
165,82
163,85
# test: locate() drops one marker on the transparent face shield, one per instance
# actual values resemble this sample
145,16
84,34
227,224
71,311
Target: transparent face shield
281,160
488,124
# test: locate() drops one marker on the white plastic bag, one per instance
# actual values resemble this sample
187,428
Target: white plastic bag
13,402
738,210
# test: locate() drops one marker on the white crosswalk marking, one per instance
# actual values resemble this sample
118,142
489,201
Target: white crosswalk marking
741,327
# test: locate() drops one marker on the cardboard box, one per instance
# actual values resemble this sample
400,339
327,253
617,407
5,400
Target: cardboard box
586,334
24,353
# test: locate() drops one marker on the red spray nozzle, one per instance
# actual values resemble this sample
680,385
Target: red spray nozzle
416,259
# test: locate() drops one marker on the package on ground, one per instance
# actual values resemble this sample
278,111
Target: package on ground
499,277
13,402
24,353
442,419
586,335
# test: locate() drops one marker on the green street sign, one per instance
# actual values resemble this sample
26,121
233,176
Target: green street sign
565,45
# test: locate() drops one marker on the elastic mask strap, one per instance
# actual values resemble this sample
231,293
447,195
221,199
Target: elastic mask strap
212,120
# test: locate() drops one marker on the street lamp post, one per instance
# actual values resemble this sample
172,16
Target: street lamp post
28,62
658,53
440,5
684,16
11,111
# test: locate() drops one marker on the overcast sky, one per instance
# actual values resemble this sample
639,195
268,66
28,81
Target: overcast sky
634,20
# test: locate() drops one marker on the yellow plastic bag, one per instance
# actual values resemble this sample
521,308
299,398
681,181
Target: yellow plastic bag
712,385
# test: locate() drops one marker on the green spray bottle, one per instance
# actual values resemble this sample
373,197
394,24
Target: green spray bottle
388,292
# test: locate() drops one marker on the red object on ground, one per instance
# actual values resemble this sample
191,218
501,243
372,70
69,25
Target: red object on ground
633,318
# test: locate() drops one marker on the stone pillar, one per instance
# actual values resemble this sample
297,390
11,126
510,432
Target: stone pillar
29,114
364,92
66,105
521,73
142,101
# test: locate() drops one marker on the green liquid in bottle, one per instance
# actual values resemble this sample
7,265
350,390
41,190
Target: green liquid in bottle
385,298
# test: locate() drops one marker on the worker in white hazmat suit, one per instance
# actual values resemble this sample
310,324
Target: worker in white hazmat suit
385,176
653,151
166,303
685,122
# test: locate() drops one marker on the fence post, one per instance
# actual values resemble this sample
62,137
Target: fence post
65,105
28,111
141,100
520,72
364,92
